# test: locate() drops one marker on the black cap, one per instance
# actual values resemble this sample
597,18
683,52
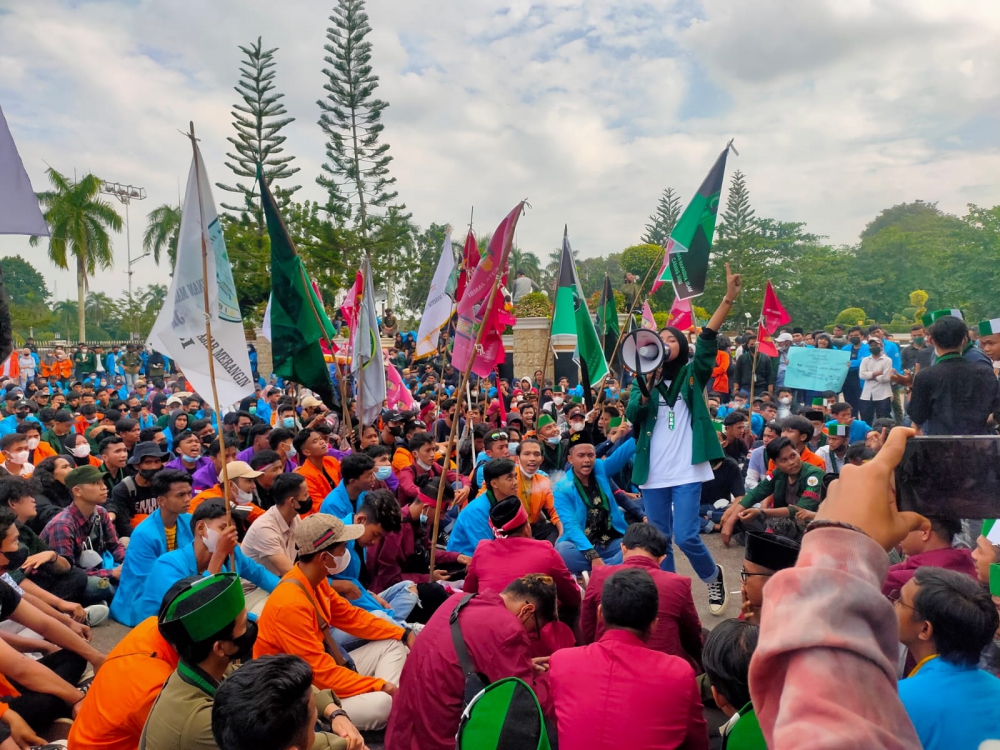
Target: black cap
147,448
771,551
814,414
580,438
392,415
63,416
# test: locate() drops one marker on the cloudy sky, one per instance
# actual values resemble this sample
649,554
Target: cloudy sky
839,108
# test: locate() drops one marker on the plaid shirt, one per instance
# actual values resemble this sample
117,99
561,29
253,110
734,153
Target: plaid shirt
70,532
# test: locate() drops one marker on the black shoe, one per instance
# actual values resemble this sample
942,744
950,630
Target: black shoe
717,594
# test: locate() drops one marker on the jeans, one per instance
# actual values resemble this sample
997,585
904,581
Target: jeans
99,591
130,379
41,709
402,597
872,410
674,511
577,563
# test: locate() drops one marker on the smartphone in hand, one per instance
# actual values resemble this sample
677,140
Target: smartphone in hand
955,476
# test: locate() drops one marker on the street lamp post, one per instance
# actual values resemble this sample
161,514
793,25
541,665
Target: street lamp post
126,194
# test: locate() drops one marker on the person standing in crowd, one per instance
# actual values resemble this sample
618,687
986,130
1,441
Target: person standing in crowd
858,349
876,371
631,291
677,442
747,378
522,287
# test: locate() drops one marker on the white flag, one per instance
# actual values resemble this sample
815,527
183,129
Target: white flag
179,331
437,311
200,222
265,329
19,211
367,364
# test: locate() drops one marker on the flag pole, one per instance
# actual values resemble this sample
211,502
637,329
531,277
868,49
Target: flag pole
487,309
209,343
552,319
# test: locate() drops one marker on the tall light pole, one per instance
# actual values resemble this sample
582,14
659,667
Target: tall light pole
126,194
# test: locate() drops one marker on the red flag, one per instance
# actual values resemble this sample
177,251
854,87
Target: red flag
470,259
765,344
471,312
773,313
648,321
681,316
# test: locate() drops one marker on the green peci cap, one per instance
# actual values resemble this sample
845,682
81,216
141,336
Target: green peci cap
836,429
930,317
989,327
819,401
204,608
544,420
991,530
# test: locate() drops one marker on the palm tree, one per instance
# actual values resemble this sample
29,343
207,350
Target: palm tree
100,308
523,260
78,224
162,232
65,313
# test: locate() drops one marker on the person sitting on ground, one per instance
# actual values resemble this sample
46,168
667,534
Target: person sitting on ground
797,489
54,496
678,628
513,554
424,451
134,498
834,453
270,540
496,630
270,702
322,472
114,458
298,615
931,547
858,454
164,530
592,521
258,438
647,698
37,450
800,430
724,488
281,442
270,465
357,475
241,496
15,456
473,523
187,449
83,533
946,619
726,656
384,477
763,556
535,491
212,544
43,691
210,474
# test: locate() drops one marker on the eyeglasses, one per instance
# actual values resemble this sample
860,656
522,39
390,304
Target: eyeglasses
896,597
744,574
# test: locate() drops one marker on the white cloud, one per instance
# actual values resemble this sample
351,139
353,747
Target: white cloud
589,109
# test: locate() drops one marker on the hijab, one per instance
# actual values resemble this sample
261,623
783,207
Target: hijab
670,370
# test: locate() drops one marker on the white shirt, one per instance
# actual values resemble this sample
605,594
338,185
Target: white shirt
833,463
875,373
670,451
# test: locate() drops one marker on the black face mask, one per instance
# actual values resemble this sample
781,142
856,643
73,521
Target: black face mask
244,430
244,643
396,431
305,506
148,474
875,350
855,340
16,559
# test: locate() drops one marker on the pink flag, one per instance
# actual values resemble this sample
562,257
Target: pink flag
773,312
471,313
351,304
397,395
648,321
681,316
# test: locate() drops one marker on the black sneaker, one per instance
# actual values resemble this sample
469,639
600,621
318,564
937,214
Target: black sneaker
717,594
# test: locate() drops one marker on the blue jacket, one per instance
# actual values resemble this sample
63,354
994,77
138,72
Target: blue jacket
571,508
8,425
181,563
338,502
352,573
472,526
951,706
147,544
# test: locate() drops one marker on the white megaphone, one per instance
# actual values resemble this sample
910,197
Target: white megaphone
642,352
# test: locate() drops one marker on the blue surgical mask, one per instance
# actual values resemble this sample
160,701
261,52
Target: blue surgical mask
382,472
423,518
188,459
288,421
554,440
291,452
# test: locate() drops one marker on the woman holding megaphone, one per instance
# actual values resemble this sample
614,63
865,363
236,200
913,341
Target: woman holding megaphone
676,442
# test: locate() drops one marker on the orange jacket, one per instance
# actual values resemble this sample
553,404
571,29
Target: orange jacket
43,451
401,459
59,370
808,456
215,493
720,374
288,625
319,488
123,693
539,498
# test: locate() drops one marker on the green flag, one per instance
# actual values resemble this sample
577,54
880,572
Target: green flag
686,255
571,317
298,321
607,321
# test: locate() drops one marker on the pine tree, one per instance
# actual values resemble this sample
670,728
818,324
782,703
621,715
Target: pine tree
257,142
662,223
357,172
739,221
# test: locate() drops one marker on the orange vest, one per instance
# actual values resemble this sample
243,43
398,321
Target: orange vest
319,488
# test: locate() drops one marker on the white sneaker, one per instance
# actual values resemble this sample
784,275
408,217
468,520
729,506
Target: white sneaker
96,614
717,594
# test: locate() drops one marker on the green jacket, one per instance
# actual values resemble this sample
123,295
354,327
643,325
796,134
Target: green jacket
809,488
696,375
744,733
85,363
55,442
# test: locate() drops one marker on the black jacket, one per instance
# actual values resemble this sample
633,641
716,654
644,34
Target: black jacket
764,376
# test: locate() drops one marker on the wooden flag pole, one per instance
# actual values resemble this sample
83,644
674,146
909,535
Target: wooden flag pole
210,344
454,423
549,349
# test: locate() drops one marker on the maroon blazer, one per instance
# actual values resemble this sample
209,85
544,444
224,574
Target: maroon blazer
386,559
678,631
949,558
497,562
617,693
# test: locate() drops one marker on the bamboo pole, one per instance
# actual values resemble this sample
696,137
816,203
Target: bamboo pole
454,423
210,344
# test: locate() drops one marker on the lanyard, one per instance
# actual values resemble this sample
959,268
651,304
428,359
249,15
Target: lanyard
586,498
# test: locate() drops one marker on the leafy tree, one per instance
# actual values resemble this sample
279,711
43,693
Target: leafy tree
79,221
421,265
852,316
258,121
25,285
356,174
638,259
100,308
918,301
162,231
662,223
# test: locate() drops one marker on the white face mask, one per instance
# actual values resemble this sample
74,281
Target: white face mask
422,465
81,451
785,400
557,400
243,498
576,426
211,539
19,457
342,562
33,443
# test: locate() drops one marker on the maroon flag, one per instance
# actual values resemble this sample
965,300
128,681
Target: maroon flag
470,259
773,312
765,344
